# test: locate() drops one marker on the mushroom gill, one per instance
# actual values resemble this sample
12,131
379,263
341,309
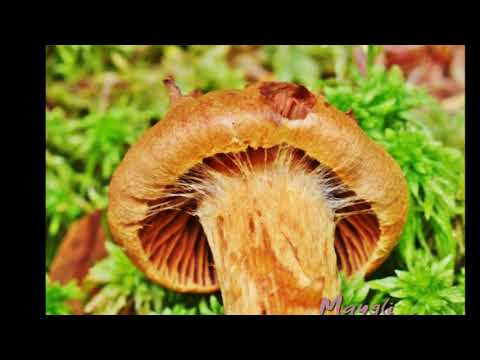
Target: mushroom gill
281,221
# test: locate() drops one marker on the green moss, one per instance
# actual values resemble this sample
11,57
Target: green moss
426,288
58,295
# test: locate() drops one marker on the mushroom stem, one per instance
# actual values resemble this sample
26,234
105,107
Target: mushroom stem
272,237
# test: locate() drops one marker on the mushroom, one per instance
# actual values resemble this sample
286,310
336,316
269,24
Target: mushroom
264,193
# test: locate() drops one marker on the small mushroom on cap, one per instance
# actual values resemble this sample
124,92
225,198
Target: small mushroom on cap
264,193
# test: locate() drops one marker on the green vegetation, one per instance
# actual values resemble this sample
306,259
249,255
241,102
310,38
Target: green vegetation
427,287
100,99
307,64
58,295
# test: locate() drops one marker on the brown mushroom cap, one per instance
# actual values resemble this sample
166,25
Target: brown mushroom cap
170,246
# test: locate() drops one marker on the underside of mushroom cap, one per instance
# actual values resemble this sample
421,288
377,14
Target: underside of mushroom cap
170,246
